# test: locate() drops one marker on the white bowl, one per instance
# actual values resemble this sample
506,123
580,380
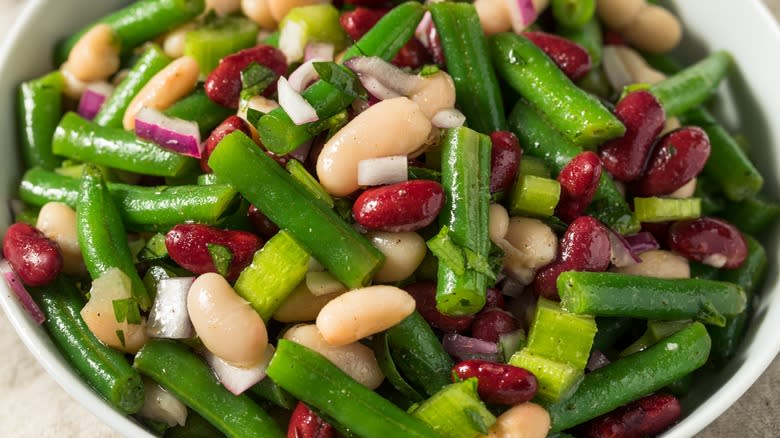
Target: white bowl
747,102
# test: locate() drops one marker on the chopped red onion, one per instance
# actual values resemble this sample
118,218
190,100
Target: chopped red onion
317,52
511,342
390,76
303,76
15,284
448,118
93,98
615,69
292,41
301,153
235,379
377,88
169,317
523,14
299,110
465,348
621,253
641,242
178,135
597,360
383,170
422,32
258,103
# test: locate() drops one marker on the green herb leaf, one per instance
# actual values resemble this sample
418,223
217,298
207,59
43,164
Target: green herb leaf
429,69
342,78
708,314
127,310
154,249
221,256
479,263
448,252
423,173
121,335
255,78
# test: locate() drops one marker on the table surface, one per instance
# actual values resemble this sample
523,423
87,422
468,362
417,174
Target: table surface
33,405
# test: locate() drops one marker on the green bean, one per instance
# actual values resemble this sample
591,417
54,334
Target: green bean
150,63
39,110
588,36
195,427
105,369
184,374
753,215
690,87
632,377
270,391
579,116
610,331
389,34
468,62
573,13
198,108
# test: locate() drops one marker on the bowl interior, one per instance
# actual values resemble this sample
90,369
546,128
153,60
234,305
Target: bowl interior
745,105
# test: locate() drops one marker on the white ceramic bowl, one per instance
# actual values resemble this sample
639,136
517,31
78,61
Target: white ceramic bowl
749,102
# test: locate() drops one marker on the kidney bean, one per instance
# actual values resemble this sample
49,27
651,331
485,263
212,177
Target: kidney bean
359,21
490,324
659,230
499,383
260,222
306,424
405,206
424,294
644,118
648,416
505,157
584,247
35,258
579,180
494,298
708,240
413,55
229,125
612,38
376,4
223,85
678,157
569,56
187,246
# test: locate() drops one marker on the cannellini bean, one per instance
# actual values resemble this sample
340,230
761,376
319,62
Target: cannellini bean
259,12
363,312
355,359
391,127
493,16
655,30
73,88
499,223
176,80
637,67
617,14
57,221
280,8
95,56
226,324
686,191
302,305
526,420
659,263
434,93
403,252
173,43
223,7
530,244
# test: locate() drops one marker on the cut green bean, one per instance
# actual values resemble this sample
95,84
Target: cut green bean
389,34
456,411
270,391
753,215
610,331
198,108
579,116
690,87
613,294
299,172
39,110
468,62
656,331
666,209
184,374
588,36
573,13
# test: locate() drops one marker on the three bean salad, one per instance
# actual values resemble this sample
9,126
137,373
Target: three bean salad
375,218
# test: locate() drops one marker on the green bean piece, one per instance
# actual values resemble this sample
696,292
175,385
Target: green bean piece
633,377
728,165
217,38
105,369
184,374
102,236
278,132
138,23
39,110
690,87
141,208
195,427
613,294
270,391
149,64
198,108
314,380
578,115
82,140
588,36
468,62
610,331
540,140
753,215
346,254
573,14
466,183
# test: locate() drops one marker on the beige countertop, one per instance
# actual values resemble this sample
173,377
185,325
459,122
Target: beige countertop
33,405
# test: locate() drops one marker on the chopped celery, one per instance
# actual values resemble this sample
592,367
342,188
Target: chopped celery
666,209
656,330
559,335
219,38
313,23
557,380
534,196
456,411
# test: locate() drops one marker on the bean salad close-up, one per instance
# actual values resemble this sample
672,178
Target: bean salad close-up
377,218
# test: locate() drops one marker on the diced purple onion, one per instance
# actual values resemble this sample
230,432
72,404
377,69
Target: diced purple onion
423,29
523,14
511,342
390,76
93,98
465,348
235,379
299,110
376,88
642,241
301,153
597,360
621,252
614,68
303,76
169,317
383,170
177,135
15,284
448,118
318,52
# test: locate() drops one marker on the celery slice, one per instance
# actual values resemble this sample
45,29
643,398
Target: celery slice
557,380
561,336
666,209
534,196
456,411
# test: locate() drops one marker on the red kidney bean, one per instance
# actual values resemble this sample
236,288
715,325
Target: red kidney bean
678,157
708,240
359,21
644,118
499,383
494,298
505,156
260,222
223,85
424,294
612,38
584,247
490,324
579,180
35,258
659,230
306,424
413,55
229,125
187,245
405,206
377,4
569,56
648,416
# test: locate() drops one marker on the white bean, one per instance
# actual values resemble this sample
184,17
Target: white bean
403,252
637,67
526,420
173,43
95,56
434,93
176,80
355,359
617,14
302,305
530,244
685,191
226,324
280,8
57,221
655,30
659,264
493,16
73,88
363,312
223,7
499,222
391,127
671,124
259,12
